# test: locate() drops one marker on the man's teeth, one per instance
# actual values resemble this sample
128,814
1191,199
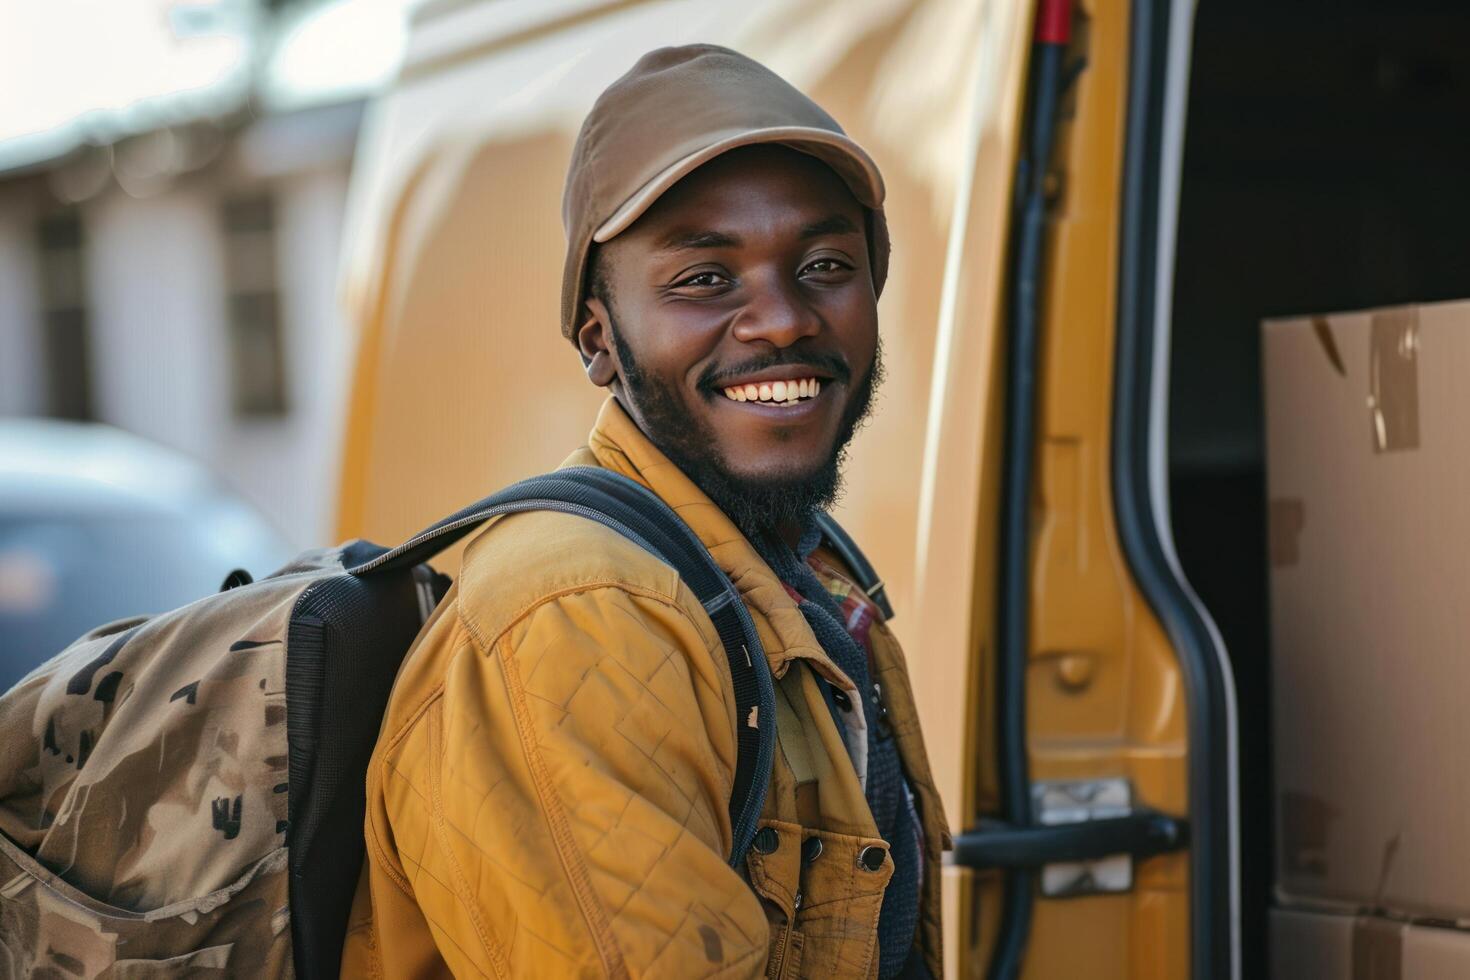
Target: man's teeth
775,391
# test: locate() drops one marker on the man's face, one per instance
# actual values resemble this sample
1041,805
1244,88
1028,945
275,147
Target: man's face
738,323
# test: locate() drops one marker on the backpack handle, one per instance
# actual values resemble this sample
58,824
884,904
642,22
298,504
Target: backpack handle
635,512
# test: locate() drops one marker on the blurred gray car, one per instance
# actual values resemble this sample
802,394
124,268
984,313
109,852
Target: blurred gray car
97,524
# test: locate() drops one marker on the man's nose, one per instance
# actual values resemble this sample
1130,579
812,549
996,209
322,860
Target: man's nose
776,312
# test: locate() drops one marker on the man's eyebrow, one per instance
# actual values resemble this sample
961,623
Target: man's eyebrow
679,240
837,224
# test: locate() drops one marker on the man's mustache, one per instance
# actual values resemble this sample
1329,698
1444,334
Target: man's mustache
831,364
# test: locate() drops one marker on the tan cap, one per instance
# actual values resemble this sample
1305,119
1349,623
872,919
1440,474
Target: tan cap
677,109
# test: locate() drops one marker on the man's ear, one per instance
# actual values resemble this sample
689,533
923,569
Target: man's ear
594,340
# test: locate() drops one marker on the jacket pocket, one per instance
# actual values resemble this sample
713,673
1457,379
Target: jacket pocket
842,882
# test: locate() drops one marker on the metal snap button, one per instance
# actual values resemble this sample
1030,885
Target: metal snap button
766,840
811,849
880,714
871,858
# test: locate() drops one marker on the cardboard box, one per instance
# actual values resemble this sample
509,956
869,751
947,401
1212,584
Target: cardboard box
1368,473
1325,946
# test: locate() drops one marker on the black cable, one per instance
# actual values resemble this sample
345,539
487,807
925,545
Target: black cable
1013,572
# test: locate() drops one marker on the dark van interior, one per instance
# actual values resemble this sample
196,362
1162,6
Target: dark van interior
1326,164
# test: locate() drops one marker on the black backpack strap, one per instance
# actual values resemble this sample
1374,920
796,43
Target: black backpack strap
867,579
638,514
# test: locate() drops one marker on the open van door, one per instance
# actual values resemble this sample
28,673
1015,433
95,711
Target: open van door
1073,699
1112,701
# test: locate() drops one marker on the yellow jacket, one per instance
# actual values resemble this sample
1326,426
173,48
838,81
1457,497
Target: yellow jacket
548,796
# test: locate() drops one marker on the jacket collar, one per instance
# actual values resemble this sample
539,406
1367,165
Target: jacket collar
617,444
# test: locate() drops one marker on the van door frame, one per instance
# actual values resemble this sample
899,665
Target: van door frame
1162,34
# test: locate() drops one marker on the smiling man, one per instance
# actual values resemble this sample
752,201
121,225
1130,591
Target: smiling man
549,793
742,295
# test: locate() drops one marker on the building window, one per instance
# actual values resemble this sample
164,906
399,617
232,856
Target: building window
64,315
257,347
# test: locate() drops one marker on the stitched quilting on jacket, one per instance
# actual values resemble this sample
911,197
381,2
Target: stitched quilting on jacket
549,792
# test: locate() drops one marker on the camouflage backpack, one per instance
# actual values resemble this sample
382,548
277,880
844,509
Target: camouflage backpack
186,791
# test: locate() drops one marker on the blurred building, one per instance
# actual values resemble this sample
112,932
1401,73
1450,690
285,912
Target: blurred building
170,266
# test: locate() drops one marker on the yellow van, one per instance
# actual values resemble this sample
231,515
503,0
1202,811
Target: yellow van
1092,207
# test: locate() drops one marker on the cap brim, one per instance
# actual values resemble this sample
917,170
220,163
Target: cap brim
844,156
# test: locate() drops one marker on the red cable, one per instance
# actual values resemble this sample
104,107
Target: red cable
1054,21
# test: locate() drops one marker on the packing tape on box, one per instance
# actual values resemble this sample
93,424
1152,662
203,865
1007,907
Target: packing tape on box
1378,949
1323,330
1393,379
1285,519
1385,868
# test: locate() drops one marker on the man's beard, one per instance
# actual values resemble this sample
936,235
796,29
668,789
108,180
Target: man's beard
755,506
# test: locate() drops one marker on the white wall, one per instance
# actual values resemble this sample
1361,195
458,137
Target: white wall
155,284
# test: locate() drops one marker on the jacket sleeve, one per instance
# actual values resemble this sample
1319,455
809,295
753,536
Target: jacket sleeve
559,807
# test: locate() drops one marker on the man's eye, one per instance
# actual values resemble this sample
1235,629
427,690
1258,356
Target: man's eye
703,280
826,266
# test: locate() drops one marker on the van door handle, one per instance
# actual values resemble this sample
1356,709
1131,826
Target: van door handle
1139,834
